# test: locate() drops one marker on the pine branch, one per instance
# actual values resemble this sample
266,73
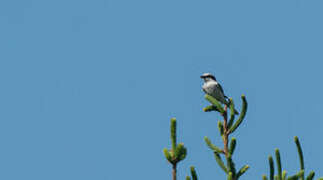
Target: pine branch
279,168
271,168
242,115
300,155
281,175
193,173
216,103
226,127
177,152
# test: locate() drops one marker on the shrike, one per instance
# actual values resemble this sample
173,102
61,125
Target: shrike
214,89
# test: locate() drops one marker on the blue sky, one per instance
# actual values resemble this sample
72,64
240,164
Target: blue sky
88,87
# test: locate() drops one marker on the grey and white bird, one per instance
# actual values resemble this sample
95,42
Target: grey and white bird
214,89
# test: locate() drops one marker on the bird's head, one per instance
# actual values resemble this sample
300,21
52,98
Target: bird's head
207,77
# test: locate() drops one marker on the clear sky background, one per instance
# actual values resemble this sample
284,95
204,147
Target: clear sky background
88,87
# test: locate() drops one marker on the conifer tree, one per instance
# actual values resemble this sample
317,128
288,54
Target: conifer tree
227,126
177,151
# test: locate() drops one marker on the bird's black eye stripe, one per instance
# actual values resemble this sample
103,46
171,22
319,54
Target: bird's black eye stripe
208,76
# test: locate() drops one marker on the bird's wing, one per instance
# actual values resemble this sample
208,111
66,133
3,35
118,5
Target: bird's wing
221,89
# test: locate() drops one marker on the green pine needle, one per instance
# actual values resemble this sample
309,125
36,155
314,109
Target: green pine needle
216,103
167,155
173,133
231,166
210,108
218,159
300,155
242,114
220,126
230,176
232,113
310,175
242,170
232,145
212,146
278,161
271,168
284,175
193,173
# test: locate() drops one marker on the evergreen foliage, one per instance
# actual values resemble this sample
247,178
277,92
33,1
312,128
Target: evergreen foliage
226,127
282,175
193,174
178,151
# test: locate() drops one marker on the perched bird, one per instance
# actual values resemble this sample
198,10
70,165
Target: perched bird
214,89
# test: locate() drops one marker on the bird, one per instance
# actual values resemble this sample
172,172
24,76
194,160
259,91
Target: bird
213,88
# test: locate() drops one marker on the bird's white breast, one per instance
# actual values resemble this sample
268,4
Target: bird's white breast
212,88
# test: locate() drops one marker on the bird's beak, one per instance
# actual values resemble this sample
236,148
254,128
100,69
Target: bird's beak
202,77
